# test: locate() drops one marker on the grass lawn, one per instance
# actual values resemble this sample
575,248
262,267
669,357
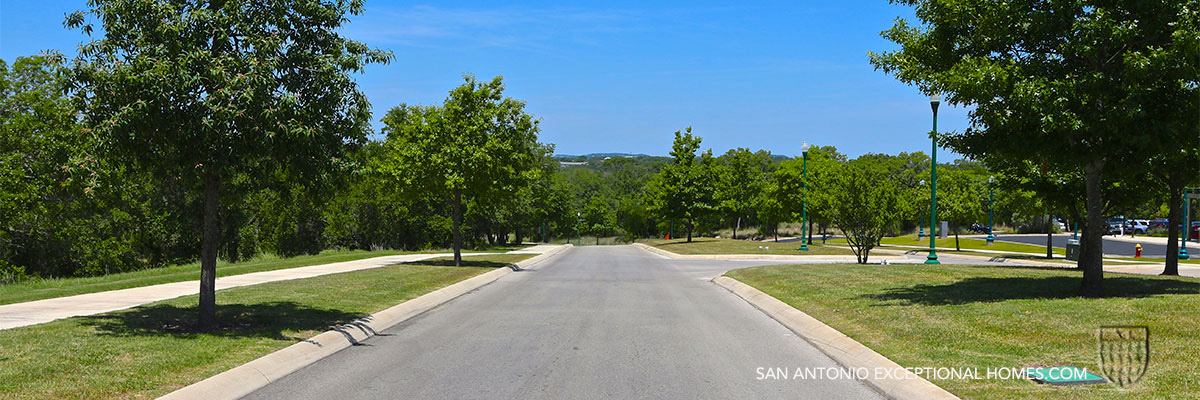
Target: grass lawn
50,288
731,246
981,317
151,350
947,244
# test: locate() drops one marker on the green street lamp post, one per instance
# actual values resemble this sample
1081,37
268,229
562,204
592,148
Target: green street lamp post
991,240
579,228
1183,254
804,200
921,222
934,100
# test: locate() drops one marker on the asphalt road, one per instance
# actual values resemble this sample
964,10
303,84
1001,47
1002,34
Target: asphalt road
1151,247
595,322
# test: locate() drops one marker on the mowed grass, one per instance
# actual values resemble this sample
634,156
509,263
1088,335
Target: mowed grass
981,317
731,246
39,289
154,349
947,244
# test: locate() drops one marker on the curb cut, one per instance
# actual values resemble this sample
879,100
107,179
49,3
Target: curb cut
246,378
831,259
841,348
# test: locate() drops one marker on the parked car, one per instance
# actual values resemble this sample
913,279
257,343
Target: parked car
1114,228
1159,223
1137,226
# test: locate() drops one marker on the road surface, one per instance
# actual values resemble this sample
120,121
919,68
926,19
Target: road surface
595,322
1122,246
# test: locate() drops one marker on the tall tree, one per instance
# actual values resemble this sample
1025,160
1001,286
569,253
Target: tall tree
741,177
1053,81
684,189
203,91
476,146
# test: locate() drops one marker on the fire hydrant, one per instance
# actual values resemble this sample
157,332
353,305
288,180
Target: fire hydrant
1137,253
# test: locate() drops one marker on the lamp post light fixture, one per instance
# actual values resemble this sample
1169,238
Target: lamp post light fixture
991,239
934,100
921,221
804,200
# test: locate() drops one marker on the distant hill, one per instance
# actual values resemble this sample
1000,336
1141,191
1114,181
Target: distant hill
598,155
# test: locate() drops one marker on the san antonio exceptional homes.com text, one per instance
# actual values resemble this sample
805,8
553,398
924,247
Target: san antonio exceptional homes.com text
785,373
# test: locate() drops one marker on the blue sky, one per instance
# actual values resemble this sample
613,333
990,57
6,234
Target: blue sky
618,76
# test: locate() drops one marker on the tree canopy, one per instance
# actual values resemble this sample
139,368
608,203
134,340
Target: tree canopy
476,146
684,190
205,91
1052,83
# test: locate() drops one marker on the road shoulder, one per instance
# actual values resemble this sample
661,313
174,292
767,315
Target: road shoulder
246,378
841,348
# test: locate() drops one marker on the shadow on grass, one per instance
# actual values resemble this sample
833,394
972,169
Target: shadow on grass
466,262
684,242
983,290
263,320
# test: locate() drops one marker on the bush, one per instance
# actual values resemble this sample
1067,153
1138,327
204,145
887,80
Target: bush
11,273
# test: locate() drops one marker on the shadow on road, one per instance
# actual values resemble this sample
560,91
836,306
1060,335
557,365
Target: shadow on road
267,320
983,290
466,262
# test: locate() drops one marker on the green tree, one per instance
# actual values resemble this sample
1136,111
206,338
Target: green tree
865,202
477,146
962,199
684,189
37,133
741,177
205,91
599,219
1059,81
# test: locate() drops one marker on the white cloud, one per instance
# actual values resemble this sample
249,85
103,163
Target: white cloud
513,28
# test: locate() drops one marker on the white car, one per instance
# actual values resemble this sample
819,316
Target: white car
1137,226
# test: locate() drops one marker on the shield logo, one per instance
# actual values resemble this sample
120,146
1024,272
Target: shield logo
1124,353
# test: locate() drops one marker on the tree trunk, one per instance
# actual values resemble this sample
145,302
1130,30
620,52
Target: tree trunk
736,226
1091,259
1049,237
810,224
209,243
956,245
690,223
457,217
1174,222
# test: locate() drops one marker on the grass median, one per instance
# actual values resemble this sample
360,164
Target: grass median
731,246
947,244
996,317
39,289
153,349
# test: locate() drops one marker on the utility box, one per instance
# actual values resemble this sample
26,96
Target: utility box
943,229
1073,249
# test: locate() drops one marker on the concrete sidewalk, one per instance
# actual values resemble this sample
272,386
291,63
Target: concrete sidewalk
41,311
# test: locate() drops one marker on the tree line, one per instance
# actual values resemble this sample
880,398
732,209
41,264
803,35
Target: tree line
229,128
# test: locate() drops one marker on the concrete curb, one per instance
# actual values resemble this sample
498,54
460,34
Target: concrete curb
251,376
767,257
841,348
